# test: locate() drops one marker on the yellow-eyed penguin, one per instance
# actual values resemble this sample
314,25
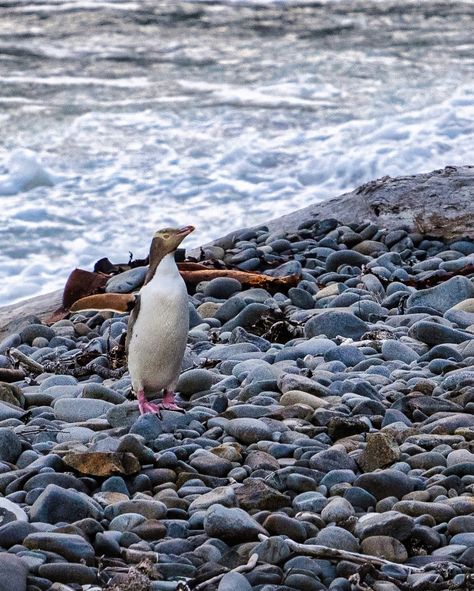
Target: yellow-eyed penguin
158,325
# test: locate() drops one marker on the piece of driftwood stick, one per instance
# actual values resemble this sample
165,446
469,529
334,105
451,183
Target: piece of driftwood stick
251,564
22,359
247,279
58,367
327,553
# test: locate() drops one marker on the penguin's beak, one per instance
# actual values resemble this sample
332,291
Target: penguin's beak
185,231
181,234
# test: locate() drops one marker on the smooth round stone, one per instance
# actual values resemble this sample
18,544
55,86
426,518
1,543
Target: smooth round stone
298,397
432,333
443,296
395,350
347,354
32,331
126,521
208,463
234,582
370,247
463,539
457,525
301,298
280,524
385,547
100,392
64,572
73,547
332,459
231,525
337,510
72,410
310,501
337,477
439,511
386,483
13,573
391,523
248,430
10,445
82,434
127,281
222,287
337,537
56,504
335,323
459,456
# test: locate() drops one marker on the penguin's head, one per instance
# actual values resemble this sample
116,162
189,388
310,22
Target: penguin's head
168,239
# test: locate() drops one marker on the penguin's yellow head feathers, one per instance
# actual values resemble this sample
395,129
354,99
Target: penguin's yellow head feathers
169,239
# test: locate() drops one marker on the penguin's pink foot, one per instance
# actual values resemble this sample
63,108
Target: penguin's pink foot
168,402
145,406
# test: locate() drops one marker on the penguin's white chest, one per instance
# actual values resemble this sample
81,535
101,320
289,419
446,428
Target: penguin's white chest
158,338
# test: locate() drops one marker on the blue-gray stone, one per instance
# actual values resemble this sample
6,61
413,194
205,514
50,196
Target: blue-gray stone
127,281
222,287
443,296
432,333
335,323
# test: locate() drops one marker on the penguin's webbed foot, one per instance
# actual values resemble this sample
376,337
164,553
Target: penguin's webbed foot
168,402
145,406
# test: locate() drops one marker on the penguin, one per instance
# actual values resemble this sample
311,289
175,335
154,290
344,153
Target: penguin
158,324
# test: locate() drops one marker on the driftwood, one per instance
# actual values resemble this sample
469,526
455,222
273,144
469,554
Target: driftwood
11,375
334,554
62,368
251,564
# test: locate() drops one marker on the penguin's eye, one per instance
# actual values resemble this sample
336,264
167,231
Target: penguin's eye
166,235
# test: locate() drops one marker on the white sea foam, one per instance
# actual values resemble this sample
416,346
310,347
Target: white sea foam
216,125
25,172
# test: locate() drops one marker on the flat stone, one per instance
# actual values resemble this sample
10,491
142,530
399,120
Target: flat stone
439,511
391,523
334,323
127,281
74,410
73,547
443,296
103,463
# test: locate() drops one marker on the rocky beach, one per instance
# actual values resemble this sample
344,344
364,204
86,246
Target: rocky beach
327,441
